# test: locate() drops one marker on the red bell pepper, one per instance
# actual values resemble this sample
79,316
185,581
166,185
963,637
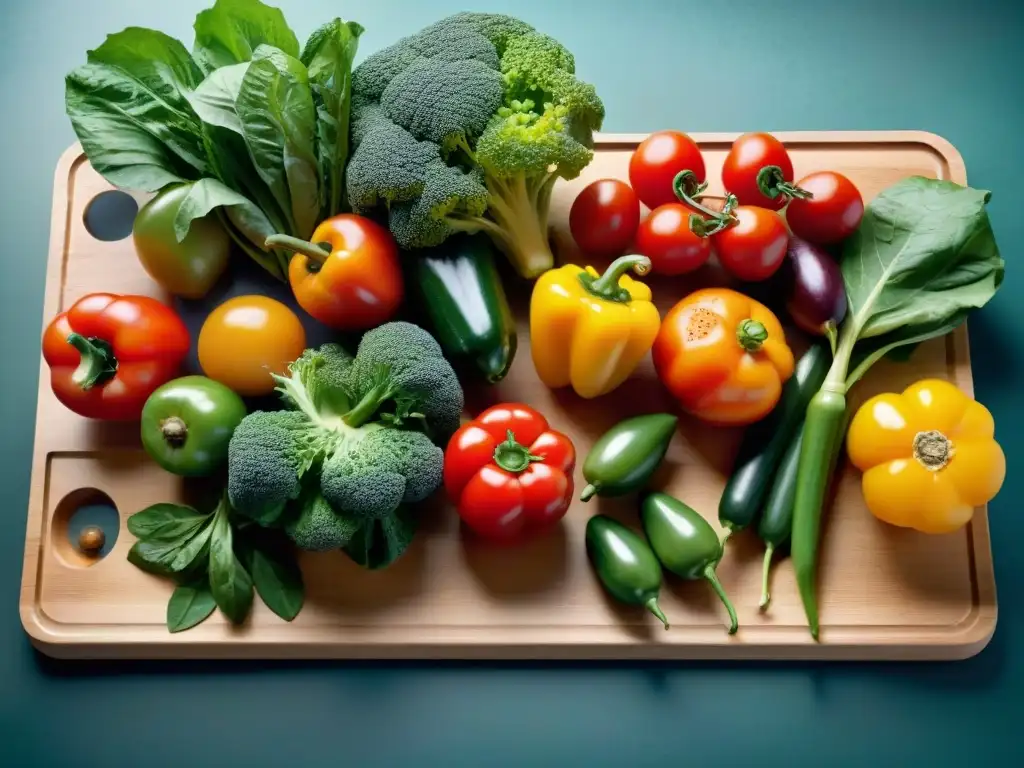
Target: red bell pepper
508,473
107,353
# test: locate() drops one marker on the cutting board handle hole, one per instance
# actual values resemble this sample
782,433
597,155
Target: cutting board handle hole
110,215
84,527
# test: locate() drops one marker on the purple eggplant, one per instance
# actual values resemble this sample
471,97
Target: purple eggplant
816,296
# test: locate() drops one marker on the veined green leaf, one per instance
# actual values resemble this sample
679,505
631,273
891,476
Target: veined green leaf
190,604
229,581
230,31
165,522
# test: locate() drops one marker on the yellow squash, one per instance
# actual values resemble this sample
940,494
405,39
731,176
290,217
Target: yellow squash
590,330
928,455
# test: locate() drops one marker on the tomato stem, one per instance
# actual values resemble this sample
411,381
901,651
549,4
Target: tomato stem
317,253
607,285
772,183
686,188
512,456
174,431
751,334
98,362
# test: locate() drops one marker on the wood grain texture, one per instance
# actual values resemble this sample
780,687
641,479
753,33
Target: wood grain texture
885,593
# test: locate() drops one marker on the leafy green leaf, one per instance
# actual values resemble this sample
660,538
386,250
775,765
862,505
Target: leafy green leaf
165,522
275,105
229,581
275,572
129,109
207,194
923,253
328,56
214,99
176,556
380,542
890,345
190,604
230,31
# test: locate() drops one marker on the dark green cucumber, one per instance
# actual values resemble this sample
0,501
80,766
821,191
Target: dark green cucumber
777,518
765,442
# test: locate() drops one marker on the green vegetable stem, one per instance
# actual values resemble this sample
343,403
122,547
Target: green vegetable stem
625,564
922,259
623,459
685,543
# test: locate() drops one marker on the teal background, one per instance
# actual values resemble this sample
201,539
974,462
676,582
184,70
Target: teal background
953,68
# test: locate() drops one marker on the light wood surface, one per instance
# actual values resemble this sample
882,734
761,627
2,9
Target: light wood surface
885,593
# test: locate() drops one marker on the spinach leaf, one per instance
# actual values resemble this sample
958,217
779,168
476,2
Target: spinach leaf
923,254
214,99
275,572
129,110
167,558
275,105
190,604
229,582
165,522
231,30
328,56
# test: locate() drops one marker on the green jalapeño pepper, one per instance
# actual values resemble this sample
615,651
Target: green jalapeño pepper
685,543
624,458
625,564
461,293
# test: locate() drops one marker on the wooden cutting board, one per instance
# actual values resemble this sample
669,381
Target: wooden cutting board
885,593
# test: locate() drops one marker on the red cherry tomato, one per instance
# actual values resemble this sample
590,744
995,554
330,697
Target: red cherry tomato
753,247
666,239
833,212
508,474
656,161
748,156
604,217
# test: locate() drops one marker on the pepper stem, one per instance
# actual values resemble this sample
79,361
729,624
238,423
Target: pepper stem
765,573
751,334
712,578
512,456
607,285
772,183
933,450
317,253
174,431
686,188
589,491
653,607
98,362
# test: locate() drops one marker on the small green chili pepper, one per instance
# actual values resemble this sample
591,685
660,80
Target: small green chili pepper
625,564
624,458
685,543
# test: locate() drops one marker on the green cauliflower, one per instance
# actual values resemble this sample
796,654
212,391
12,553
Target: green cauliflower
465,126
358,442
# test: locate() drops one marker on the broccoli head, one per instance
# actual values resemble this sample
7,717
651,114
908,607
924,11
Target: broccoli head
358,439
465,126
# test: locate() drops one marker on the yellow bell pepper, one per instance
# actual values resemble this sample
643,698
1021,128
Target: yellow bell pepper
589,330
928,455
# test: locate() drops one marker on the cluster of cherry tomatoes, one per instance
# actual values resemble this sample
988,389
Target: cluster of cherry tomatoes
749,232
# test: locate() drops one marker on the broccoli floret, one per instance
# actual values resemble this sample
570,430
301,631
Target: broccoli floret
317,527
355,443
466,126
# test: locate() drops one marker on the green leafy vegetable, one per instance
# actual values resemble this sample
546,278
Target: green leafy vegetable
190,604
215,563
265,138
922,259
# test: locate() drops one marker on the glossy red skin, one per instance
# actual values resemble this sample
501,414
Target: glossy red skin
500,505
656,161
148,340
754,247
748,155
666,239
604,217
832,215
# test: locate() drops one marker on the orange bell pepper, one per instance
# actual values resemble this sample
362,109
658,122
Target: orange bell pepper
928,455
723,356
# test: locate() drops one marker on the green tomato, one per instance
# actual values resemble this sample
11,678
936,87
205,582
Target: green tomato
189,268
187,424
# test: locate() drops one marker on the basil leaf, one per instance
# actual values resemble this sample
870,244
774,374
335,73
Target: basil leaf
229,582
165,522
129,110
924,252
231,30
275,105
328,56
276,575
380,542
190,604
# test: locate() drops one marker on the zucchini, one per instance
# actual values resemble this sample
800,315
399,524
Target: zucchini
766,441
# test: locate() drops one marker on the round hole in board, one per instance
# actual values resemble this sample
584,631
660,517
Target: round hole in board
110,215
84,527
